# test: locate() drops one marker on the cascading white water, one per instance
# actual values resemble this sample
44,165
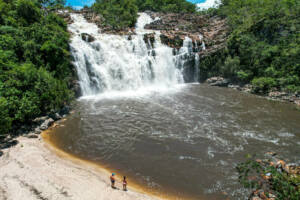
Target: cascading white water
186,55
115,63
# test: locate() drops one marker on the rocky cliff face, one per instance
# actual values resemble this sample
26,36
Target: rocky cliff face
203,30
208,34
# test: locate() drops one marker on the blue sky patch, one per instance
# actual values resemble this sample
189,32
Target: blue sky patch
80,3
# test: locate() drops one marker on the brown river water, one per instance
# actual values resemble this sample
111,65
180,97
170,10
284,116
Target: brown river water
185,143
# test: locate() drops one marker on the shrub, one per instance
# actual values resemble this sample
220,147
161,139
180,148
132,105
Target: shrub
263,84
283,185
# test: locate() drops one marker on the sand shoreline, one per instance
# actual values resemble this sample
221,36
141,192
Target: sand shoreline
33,169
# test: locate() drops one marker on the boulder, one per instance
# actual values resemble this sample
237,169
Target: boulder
247,88
64,111
87,37
40,120
55,116
149,39
277,94
1,153
46,124
235,87
31,135
297,102
218,81
8,144
37,130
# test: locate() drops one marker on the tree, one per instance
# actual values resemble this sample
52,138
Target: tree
264,36
5,120
118,14
35,63
28,10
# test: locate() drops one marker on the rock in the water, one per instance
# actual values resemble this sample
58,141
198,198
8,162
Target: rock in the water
218,81
55,116
40,120
1,153
64,111
37,130
277,94
46,124
87,37
297,102
235,87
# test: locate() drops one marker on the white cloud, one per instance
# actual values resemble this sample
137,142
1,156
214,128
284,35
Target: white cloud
208,4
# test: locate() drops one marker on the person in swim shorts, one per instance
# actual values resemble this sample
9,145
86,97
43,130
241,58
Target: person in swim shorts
112,180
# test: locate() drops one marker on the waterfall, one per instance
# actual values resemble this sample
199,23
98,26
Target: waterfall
188,60
112,63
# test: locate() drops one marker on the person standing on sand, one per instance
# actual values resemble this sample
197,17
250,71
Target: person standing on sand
124,183
112,180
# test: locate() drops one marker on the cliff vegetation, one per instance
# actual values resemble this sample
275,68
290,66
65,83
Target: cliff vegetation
263,47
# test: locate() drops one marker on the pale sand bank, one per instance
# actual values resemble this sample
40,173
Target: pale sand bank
31,170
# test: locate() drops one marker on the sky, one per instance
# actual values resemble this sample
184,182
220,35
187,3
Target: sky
77,4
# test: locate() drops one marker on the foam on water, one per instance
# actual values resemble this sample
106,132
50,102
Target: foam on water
113,63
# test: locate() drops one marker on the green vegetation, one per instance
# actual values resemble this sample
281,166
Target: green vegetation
175,6
34,62
120,14
263,47
252,174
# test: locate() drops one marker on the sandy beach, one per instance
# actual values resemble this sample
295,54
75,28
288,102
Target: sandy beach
33,169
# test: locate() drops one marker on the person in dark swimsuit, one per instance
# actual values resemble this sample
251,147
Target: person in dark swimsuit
124,183
112,180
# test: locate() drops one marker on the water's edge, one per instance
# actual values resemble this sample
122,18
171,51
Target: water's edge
133,186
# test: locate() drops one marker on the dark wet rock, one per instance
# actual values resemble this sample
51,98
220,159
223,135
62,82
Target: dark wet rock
172,40
76,88
1,153
189,69
31,136
8,144
149,39
55,116
65,110
87,37
46,124
37,130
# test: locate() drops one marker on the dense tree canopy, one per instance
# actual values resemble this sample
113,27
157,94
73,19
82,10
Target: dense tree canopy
34,62
176,6
117,13
123,13
264,44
